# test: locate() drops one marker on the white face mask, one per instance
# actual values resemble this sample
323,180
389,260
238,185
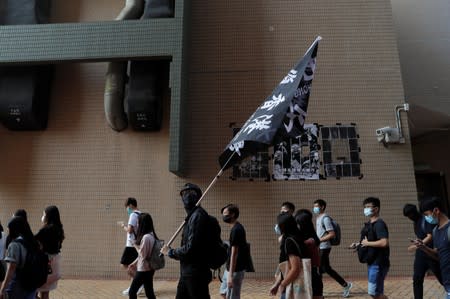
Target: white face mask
43,219
368,212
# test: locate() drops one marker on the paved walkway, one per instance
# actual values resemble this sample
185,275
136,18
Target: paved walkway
395,288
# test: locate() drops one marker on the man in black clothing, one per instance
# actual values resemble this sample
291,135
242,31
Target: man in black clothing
375,237
422,262
195,274
237,255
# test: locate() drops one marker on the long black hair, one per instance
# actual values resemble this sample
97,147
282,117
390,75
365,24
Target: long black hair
303,218
52,218
288,228
19,227
145,226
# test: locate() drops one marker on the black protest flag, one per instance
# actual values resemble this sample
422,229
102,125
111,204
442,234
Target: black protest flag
281,114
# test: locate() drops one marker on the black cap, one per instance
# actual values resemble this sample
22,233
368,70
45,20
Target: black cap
190,186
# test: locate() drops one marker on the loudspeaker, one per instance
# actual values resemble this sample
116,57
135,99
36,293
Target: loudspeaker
19,12
146,86
24,96
158,9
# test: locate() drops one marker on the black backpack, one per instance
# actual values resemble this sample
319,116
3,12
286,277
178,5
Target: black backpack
367,255
35,269
216,253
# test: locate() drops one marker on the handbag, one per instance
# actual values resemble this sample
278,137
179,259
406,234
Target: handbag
249,267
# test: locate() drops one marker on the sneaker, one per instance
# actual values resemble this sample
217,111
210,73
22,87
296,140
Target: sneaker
347,289
125,292
141,291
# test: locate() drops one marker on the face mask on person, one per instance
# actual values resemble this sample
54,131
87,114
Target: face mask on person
316,210
277,230
189,200
368,212
431,219
43,219
129,211
227,218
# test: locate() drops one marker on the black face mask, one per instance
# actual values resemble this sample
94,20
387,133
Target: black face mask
227,218
189,201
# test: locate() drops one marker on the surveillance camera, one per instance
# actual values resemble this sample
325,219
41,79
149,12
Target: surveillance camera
382,131
388,135
406,107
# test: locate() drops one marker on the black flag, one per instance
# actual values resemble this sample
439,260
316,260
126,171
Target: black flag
282,113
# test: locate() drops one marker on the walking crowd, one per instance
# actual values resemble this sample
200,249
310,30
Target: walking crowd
30,266
306,239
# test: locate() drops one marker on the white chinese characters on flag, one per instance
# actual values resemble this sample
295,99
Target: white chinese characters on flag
281,114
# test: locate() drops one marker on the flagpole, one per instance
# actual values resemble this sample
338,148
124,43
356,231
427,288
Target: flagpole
177,232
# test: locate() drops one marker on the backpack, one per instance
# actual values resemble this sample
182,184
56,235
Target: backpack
35,269
156,259
337,231
216,252
367,255
136,228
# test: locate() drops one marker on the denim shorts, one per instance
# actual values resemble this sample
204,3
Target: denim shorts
235,292
376,275
447,291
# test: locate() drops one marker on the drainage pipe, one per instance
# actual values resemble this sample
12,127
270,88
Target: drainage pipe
116,75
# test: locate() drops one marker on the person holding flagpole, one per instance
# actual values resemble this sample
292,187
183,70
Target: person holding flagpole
194,269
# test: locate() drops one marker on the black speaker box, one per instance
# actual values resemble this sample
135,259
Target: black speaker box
158,9
20,12
24,96
146,86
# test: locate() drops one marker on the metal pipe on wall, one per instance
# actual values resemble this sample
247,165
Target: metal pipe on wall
116,75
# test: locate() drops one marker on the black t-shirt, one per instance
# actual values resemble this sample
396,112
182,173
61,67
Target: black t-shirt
50,237
238,238
290,245
381,232
422,228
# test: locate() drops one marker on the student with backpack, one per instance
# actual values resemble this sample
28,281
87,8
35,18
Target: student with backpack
195,273
422,262
145,240
20,242
50,238
433,212
130,254
373,248
326,232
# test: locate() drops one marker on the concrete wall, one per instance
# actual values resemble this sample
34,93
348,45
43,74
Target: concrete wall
240,51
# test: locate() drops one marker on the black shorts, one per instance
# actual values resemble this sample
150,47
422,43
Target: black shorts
129,255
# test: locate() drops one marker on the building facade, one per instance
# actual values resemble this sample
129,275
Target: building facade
238,52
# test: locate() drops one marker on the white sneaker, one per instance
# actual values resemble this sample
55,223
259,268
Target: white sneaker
347,289
126,291
141,291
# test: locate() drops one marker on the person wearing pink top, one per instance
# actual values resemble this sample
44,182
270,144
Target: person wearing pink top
145,239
